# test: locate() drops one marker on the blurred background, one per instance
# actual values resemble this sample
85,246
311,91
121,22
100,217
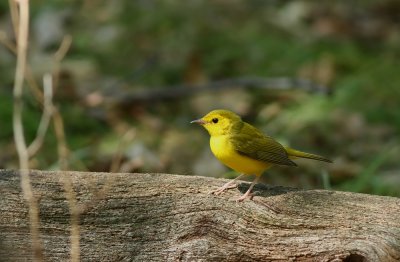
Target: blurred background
137,72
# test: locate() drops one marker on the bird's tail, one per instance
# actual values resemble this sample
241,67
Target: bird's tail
292,153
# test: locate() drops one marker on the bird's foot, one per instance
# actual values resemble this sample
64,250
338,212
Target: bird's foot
222,189
246,195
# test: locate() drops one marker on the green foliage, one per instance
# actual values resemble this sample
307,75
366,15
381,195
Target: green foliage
160,43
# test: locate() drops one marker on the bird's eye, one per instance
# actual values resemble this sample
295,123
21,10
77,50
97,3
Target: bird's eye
215,120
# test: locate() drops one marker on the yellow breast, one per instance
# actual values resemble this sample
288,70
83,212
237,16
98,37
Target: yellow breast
223,149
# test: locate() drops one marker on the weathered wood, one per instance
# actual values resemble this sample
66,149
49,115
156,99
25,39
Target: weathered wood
161,217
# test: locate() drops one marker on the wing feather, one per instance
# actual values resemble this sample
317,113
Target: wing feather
259,146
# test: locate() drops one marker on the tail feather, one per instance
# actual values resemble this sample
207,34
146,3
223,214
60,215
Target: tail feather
292,153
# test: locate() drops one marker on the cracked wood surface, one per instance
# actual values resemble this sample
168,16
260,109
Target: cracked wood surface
162,217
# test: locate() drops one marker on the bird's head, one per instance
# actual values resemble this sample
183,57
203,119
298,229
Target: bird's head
219,122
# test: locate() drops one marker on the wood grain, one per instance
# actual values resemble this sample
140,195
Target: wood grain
163,217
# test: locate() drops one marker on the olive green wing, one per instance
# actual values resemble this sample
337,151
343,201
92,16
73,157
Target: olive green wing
250,142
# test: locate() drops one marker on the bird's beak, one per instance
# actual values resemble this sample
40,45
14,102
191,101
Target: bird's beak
198,121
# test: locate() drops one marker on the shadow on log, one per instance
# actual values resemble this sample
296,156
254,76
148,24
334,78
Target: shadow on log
162,217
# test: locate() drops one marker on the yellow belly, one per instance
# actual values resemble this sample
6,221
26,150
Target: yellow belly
224,151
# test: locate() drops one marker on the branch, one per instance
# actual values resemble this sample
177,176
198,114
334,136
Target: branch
179,91
161,217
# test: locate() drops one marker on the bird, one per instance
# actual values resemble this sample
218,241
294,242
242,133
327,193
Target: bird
245,149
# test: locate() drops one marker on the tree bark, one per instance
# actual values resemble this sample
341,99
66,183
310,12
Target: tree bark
162,217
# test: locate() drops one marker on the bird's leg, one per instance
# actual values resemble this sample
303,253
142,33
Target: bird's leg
248,192
231,184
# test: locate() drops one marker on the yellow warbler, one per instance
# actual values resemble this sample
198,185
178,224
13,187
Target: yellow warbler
246,149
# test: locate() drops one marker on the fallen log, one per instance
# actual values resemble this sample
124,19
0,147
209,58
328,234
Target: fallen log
163,217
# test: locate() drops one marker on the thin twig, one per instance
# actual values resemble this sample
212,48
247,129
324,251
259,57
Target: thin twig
74,210
7,43
126,138
19,138
14,17
33,85
59,56
64,48
63,151
62,148
46,116
30,79
63,156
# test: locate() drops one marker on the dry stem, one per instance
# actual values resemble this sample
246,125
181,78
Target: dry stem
19,138
49,82
47,113
74,210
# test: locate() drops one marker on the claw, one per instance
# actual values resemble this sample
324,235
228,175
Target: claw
246,195
222,189
231,184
